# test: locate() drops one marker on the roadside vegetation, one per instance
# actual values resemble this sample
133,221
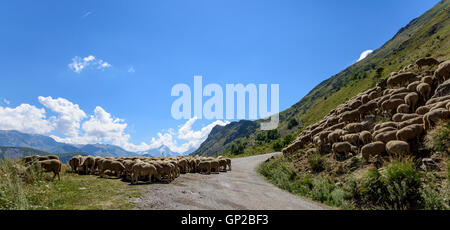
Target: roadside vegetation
25,189
400,183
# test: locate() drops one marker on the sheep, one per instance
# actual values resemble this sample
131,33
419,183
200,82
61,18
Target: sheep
365,98
349,116
383,130
416,120
341,148
442,73
385,125
397,147
411,99
51,165
430,118
386,136
228,163
412,87
410,132
75,162
372,149
422,110
351,138
399,117
365,137
437,99
204,167
403,108
400,79
88,165
215,166
390,105
353,127
426,61
443,89
428,79
424,89
144,170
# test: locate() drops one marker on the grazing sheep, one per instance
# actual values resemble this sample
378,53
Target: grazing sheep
51,165
412,87
365,98
424,89
215,166
399,117
443,89
372,149
391,105
222,165
341,149
351,138
204,167
349,116
410,132
428,79
386,136
88,165
367,109
403,108
353,127
416,120
422,110
426,61
401,79
365,137
442,73
437,99
411,100
75,162
385,125
229,163
384,130
144,170
430,118
397,147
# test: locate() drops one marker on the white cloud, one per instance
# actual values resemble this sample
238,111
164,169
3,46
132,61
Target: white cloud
25,118
101,127
364,54
86,14
69,114
79,64
131,70
192,137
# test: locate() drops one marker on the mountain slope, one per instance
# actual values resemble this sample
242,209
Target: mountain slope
423,36
20,152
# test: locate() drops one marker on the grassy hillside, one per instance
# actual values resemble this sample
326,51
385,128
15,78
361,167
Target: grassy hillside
423,36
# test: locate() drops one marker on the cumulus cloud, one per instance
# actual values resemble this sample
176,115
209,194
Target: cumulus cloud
79,64
100,127
25,118
364,55
69,114
193,138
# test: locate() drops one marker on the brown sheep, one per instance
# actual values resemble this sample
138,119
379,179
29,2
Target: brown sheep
411,99
399,117
442,73
365,98
145,170
88,165
403,108
367,109
75,162
401,79
52,165
383,130
386,136
351,138
365,137
424,89
426,61
204,167
372,149
437,99
384,125
428,79
228,163
397,147
215,166
417,120
410,132
430,118
353,127
391,105
341,149
443,89
422,110
412,87
349,116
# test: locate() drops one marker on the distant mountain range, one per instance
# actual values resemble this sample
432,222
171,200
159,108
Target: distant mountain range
22,144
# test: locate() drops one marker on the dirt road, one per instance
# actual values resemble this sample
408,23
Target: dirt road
242,188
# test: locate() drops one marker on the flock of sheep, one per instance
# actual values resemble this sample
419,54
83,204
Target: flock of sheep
412,102
134,169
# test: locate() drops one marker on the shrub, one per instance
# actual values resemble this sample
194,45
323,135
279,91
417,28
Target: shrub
438,139
277,145
316,162
292,123
287,140
322,188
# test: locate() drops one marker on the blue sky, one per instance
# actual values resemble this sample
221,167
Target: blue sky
143,48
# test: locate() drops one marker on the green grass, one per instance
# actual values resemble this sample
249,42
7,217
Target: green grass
35,190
